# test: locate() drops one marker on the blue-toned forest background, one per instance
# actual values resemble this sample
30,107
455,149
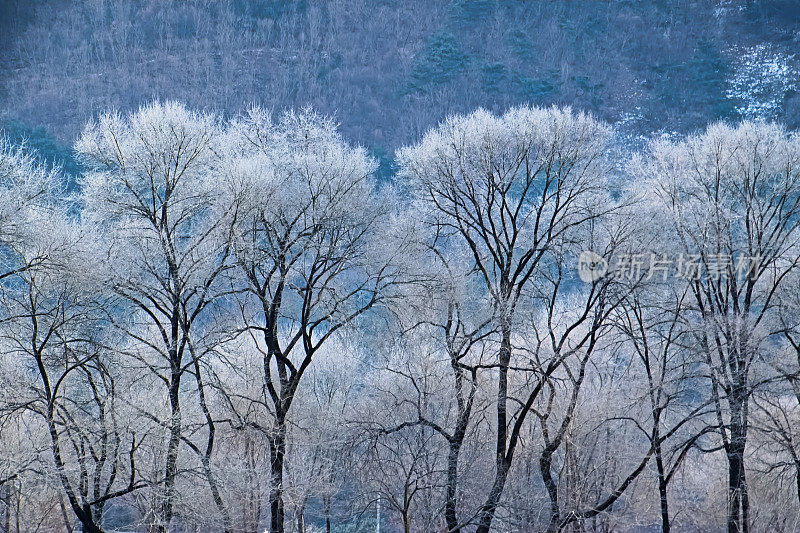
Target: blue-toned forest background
390,70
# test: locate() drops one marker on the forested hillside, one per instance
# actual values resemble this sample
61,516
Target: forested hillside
389,70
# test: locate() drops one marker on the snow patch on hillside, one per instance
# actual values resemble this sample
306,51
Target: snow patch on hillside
762,75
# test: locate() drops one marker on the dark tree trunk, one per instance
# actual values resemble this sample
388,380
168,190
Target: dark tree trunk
326,501
206,457
68,521
456,440
545,467
662,487
502,460
83,512
5,497
406,514
277,453
451,489
171,470
738,501
455,444
486,514
17,504
301,519
797,478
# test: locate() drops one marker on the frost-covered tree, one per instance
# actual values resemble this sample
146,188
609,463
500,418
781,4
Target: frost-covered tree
53,322
152,192
28,190
448,319
509,188
316,246
731,197
51,326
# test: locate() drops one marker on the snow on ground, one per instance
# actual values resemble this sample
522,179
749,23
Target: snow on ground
762,75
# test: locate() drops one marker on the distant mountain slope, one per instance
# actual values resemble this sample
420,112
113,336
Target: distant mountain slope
389,70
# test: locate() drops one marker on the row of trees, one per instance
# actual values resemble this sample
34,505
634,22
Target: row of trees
230,325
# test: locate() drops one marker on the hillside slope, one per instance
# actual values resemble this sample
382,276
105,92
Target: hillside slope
389,70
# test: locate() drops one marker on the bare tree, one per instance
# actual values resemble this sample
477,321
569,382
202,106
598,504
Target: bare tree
27,189
50,317
732,197
651,320
53,318
507,188
777,403
151,192
316,248
444,317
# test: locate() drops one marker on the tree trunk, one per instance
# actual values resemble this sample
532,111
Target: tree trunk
450,503
215,494
301,519
326,502
206,457
486,514
82,511
17,505
734,491
738,502
545,467
171,469
662,488
277,452
5,497
797,478
502,461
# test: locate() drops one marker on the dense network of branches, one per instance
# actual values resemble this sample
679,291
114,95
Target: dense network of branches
230,324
